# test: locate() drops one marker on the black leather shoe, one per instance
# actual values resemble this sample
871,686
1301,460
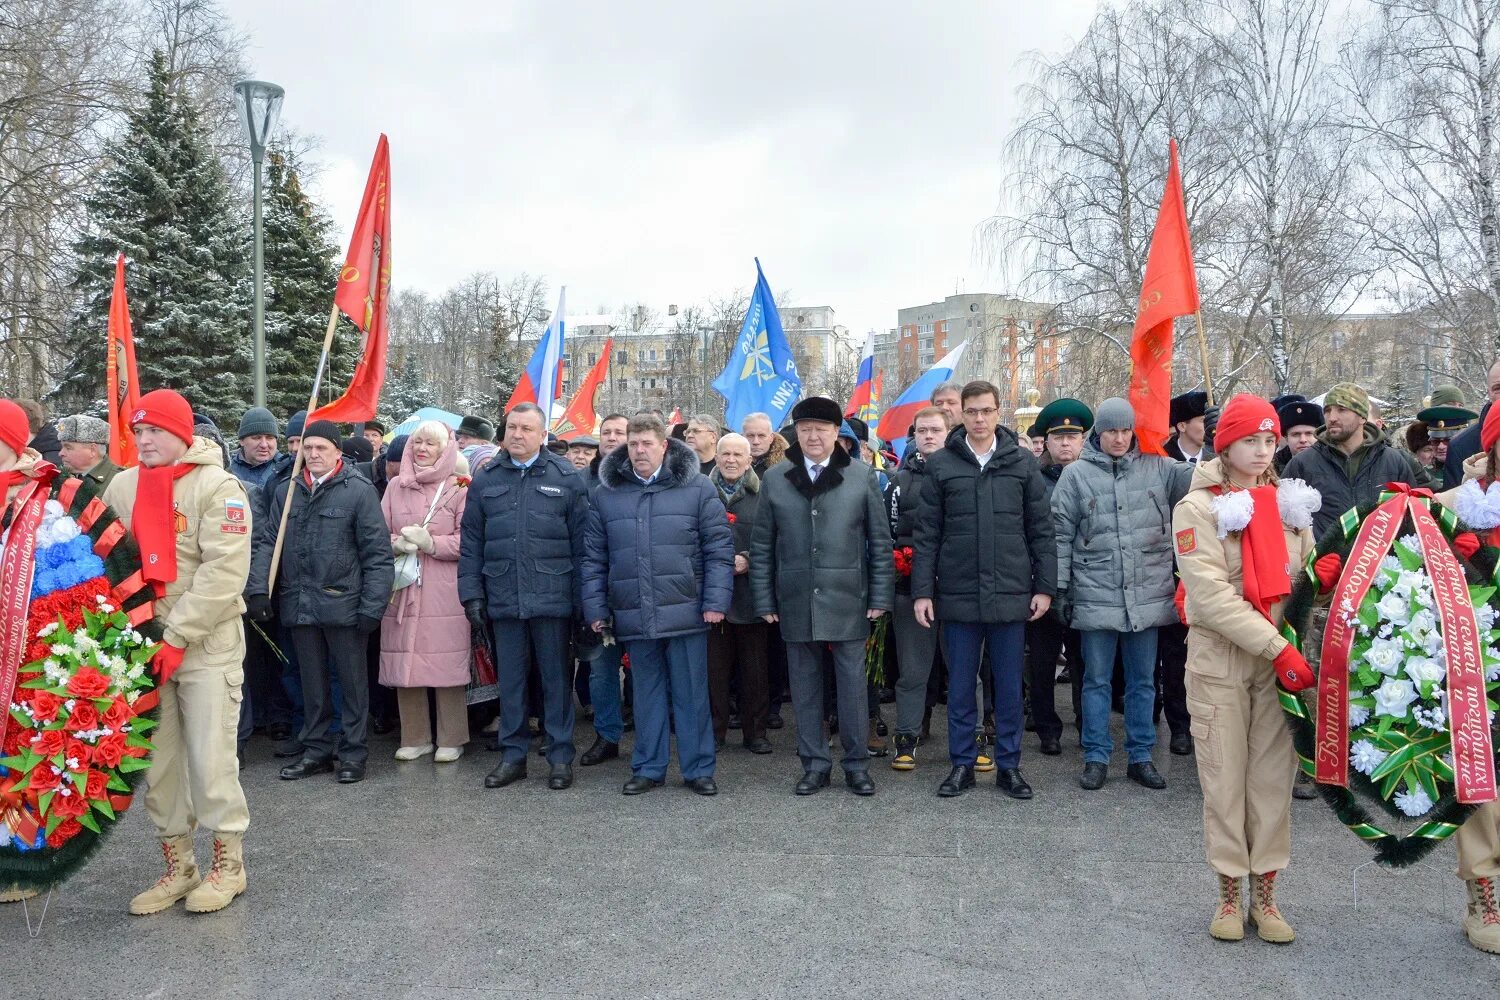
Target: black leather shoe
1305,788
306,768
703,786
291,747
351,771
811,782
1051,746
381,726
1009,781
1093,776
859,782
639,784
279,731
758,745
1145,774
506,774
959,780
601,751
774,721
561,777
734,720
1181,744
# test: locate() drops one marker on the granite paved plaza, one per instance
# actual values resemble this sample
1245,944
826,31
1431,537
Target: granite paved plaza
420,883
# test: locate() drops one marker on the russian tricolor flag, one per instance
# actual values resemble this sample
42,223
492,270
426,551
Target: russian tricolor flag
896,421
541,382
862,402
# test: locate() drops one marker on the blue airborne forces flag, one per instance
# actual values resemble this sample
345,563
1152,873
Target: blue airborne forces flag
761,375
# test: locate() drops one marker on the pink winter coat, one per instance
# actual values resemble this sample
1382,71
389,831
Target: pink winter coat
424,638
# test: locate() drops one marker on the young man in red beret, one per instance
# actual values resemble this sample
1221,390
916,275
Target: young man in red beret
192,523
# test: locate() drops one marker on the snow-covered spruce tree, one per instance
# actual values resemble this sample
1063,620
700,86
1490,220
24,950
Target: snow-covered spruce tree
301,267
162,199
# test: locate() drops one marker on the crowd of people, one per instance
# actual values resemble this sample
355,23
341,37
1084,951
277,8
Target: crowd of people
692,581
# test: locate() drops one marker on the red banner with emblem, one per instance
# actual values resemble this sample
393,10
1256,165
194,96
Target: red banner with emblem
16,569
122,385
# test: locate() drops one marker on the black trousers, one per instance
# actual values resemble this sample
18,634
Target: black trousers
547,643
322,652
737,656
1045,639
1171,678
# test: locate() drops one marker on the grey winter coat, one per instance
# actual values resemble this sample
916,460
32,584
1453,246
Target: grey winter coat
984,543
336,566
1114,538
656,557
522,538
820,556
743,506
1347,481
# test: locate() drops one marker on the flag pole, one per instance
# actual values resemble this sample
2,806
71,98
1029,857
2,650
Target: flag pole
291,486
1208,382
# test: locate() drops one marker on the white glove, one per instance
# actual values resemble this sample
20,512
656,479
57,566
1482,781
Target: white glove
420,537
403,546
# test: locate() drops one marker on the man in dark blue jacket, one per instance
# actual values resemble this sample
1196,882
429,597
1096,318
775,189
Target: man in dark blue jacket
519,551
1467,443
660,561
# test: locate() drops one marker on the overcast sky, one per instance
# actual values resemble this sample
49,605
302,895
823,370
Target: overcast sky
649,151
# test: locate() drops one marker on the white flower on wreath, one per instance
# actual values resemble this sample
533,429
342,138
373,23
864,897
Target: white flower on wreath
1365,756
1394,608
1485,616
1421,669
1409,582
1233,511
1394,696
1433,718
1391,564
1358,716
1410,543
1432,645
1386,656
1415,803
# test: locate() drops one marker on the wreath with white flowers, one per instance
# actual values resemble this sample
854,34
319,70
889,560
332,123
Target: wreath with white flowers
75,744
1400,748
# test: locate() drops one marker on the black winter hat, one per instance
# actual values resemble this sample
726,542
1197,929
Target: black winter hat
326,429
818,408
357,449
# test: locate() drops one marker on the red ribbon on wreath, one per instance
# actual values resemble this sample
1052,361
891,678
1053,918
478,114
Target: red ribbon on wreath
16,570
1473,754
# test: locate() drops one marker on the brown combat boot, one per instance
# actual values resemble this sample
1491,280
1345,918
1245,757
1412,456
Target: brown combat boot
1268,921
876,745
181,877
225,880
1482,921
1229,918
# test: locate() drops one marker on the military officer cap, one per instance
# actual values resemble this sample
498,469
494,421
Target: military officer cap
1062,416
1187,406
1446,415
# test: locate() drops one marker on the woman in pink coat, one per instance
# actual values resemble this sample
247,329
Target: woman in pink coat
424,640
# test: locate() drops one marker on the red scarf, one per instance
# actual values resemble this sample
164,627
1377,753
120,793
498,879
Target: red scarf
1266,573
308,476
153,522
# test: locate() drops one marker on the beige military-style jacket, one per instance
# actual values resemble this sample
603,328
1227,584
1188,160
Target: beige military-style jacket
1224,626
212,517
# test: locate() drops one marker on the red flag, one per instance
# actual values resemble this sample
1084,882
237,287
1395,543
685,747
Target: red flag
122,386
364,284
1169,290
579,418
675,418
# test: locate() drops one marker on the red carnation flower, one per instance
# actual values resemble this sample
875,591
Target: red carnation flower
49,743
66,831
88,683
117,714
85,716
73,804
110,750
17,738
95,786
43,779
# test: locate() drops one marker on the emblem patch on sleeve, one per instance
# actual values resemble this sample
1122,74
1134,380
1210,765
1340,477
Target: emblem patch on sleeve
234,518
1187,541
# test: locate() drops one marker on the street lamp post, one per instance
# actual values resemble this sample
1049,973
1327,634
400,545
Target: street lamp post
260,107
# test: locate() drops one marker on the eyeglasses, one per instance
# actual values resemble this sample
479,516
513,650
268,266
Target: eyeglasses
987,411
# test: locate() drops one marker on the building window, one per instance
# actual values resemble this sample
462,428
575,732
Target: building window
653,358
1338,369
593,359
640,357
1367,369
653,381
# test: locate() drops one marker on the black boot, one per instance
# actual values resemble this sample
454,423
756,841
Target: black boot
959,780
601,751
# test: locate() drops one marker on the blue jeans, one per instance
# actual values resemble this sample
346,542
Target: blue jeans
1006,644
674,670
604,693
1138,650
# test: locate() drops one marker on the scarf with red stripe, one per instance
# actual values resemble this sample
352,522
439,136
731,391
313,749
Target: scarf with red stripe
153,523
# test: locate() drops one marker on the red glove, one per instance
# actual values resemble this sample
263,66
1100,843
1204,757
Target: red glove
1292,670
1467,544
1327,570
166,661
